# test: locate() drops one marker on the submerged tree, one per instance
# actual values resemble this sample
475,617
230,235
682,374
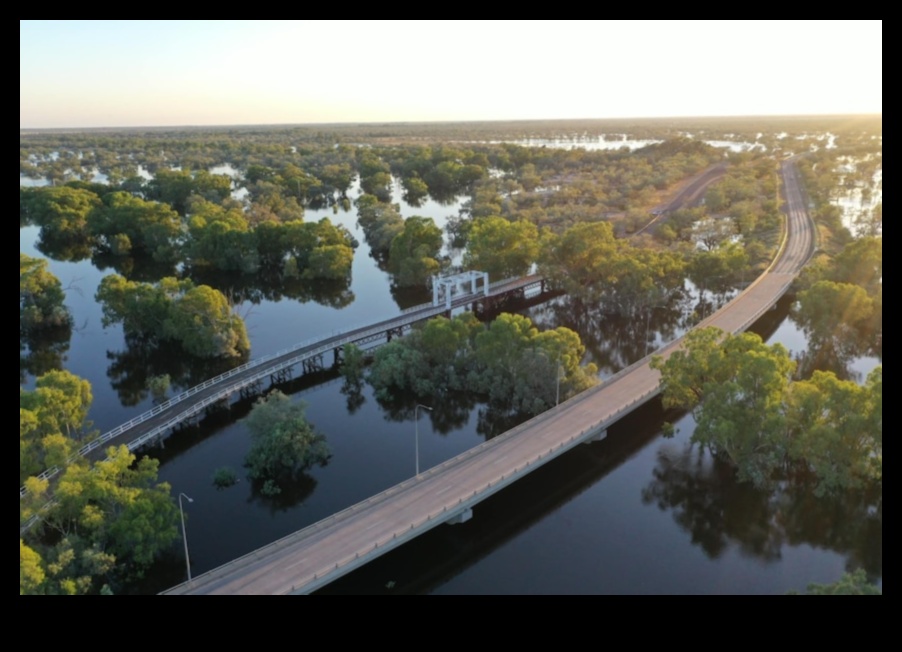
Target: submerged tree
519,368
284,444
197,317
734,386
40,297
746,410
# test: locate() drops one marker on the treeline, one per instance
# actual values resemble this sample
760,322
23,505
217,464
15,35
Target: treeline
840,293
80,219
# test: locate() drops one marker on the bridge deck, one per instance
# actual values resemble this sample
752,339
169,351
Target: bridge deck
313,557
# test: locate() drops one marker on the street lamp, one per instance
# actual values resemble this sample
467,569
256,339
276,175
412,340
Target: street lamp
184,534
416,429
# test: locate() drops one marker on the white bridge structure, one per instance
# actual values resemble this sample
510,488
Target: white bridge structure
445,288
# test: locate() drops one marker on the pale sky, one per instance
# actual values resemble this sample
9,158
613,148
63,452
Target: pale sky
130,73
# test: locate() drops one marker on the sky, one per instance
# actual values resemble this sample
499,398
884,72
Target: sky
148,73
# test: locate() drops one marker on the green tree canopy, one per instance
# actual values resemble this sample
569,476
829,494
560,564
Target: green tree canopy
735,387
414,253
149,226
40,297
284,444
197,317
518,367
503,249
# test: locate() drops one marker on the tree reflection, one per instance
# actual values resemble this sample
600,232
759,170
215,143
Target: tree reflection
612,340
450,411
130,369
291,493
240,288
718,512
43,351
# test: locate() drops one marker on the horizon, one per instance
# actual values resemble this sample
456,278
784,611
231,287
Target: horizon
276,125
148,74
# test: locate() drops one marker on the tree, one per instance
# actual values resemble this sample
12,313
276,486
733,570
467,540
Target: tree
116,507
51,421
519,368
734,385
202,321
31,575
526,370
197,317
581,260
503,249
149,226
836,432
284,444
61,212
381,222
834,311
855,583
40,297
414,253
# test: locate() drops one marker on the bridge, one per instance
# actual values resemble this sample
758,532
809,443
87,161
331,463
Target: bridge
311,558
278,367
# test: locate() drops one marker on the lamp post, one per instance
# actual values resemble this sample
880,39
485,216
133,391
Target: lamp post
184,534
416,430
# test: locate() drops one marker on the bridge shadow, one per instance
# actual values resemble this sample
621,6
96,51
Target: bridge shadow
439,555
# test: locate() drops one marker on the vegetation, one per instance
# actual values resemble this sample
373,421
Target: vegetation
40,298
567,211
747,410
855,583
510,361
199,318
109,520
224,477
414,252
284,444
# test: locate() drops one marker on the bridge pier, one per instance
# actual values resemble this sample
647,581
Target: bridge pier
222,404
314,363
463,517
598,436
280,376
251,390
337,355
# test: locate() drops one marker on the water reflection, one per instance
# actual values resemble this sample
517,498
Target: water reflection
43,351
291,494
719,513
130,370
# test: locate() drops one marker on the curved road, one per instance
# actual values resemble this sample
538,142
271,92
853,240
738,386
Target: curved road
313,557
